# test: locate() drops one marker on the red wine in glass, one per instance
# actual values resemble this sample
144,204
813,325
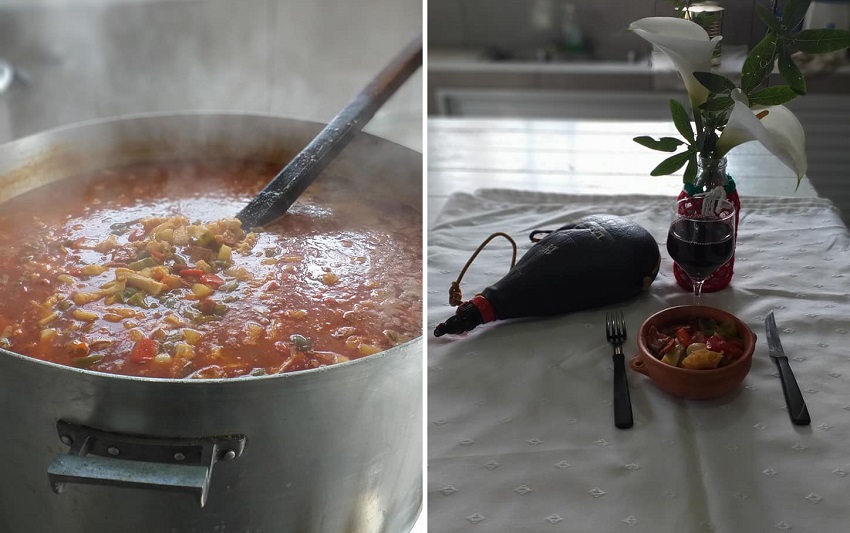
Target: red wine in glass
701,237
700,246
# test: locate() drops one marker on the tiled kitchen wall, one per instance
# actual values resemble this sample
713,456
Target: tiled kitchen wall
524,24
87,59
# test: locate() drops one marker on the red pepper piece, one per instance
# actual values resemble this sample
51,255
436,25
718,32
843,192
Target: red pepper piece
670,344
144,350
191,272
715,343
732,349
159,256
136,235
683,335
210,279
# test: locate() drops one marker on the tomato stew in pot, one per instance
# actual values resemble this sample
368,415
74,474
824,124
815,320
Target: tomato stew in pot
141,271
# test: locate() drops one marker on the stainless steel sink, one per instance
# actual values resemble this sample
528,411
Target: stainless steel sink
541,54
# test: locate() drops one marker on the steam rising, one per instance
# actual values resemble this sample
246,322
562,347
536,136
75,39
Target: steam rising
102,58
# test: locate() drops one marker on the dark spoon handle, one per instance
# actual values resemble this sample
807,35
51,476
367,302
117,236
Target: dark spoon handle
622,401
793,397
293,180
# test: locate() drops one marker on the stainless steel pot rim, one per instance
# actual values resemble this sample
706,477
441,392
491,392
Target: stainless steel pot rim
212,114
369,359
208,115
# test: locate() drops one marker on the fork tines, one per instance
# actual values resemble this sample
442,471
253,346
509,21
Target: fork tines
615,327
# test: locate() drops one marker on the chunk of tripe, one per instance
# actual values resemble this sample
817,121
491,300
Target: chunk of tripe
149,285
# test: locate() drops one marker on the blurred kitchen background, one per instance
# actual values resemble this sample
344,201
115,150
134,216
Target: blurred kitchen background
575,59
75,60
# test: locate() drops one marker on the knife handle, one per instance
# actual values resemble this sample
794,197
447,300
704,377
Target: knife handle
793,397
622,401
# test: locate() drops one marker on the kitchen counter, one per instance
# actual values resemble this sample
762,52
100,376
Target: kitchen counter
459,69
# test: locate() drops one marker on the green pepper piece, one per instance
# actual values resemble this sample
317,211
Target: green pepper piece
206,240
707,326
727,329
120,227
147,262
229,286
300,341
139,300
88,360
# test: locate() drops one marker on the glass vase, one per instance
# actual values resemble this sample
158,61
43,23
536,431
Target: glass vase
711,173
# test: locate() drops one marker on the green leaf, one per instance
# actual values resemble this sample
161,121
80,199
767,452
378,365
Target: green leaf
717,104
821,41
776,95
665,144
672,163
690,170
715,83
759,63
682,120
791,72
769,19
794,12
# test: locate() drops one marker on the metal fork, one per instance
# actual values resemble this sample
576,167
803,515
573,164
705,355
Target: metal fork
615,331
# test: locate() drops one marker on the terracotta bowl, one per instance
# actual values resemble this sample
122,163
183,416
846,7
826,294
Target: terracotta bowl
687,383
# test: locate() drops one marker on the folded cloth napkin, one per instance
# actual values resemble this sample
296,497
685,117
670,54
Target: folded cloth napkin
521,434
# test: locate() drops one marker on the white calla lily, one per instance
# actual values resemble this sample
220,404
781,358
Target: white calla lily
686,44
779,131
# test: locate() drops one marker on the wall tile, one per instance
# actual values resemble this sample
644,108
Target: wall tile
320,62
606,25
184,56
511,24
55,51
446,23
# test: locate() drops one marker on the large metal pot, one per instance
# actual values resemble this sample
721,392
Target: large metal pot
336,449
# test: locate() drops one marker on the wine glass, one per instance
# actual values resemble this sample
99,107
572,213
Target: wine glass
701,240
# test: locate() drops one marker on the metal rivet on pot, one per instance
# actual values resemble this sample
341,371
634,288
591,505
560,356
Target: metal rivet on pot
67,440
228,455
112,450
179,456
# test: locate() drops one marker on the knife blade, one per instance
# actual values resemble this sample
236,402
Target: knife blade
793,397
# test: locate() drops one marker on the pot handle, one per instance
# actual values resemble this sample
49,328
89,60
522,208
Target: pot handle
103,458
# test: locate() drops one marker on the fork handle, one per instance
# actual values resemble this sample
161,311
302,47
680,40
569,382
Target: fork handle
622,401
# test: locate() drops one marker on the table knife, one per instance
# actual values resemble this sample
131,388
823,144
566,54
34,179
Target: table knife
793,397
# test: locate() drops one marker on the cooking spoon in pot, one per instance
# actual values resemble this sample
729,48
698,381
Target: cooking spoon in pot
304,168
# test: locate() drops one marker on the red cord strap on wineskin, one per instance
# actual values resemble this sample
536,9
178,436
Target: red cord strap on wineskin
488,314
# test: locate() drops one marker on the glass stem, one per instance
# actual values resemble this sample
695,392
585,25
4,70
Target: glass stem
697,290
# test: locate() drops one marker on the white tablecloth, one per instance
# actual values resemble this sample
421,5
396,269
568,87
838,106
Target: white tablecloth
520,423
